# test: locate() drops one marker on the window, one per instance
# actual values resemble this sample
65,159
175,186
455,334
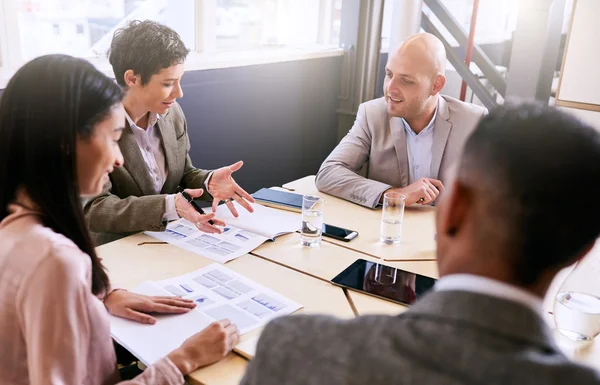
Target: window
84,28
243,24
496,20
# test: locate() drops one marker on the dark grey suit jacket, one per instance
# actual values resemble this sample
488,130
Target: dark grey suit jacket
450,337
128,204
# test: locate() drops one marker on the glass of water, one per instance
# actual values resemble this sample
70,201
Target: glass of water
391,218
312,220
577,302
577,315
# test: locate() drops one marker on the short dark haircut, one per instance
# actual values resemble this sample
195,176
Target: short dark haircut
46,106
145,47
540,171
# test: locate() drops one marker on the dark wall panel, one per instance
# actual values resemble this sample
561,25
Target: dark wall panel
280,119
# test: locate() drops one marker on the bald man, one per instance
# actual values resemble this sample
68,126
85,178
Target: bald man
410,138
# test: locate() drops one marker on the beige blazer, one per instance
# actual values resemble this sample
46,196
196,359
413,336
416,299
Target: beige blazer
380,140
128,203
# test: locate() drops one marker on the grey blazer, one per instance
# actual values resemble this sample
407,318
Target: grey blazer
450,337
380,140
128,203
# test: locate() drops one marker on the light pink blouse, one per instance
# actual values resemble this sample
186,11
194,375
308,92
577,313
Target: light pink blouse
53,330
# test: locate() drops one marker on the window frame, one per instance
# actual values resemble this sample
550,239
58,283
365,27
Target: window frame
204,56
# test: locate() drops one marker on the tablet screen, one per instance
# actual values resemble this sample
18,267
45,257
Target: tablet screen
384,281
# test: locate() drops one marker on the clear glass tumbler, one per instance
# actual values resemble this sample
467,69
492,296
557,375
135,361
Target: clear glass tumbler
391,218
312,220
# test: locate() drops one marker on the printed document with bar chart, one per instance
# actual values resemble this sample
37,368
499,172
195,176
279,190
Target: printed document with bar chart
218,293
239,237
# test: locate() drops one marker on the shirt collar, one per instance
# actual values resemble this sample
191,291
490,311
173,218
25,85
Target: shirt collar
487,286
152,119
427,130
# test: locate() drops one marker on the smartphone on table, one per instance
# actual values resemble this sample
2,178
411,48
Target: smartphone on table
339,233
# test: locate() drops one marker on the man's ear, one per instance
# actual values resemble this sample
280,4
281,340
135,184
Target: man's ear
438,83
455,208
131,79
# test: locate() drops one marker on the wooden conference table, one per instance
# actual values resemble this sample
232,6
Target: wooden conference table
297,272
130,263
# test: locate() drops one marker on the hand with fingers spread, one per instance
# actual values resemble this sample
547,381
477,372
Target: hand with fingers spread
206,347
137,307
423,191
223,187
187,211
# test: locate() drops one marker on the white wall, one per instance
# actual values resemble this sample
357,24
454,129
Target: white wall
580,78
580,75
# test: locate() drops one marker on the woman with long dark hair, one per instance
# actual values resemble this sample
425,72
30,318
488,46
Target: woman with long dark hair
60,122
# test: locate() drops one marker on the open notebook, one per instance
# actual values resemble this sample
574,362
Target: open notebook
219,293
239,237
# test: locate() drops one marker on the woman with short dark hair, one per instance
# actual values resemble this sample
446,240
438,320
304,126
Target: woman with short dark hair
148,59
60,123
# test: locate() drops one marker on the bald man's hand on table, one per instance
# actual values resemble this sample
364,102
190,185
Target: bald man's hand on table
424,191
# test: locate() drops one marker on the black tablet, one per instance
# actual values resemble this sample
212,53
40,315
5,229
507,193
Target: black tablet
384,282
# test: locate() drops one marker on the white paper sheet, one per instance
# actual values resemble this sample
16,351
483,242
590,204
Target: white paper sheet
239,237
218,292
265,221
230,244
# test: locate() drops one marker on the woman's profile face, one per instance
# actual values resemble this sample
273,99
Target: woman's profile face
161,91
99,154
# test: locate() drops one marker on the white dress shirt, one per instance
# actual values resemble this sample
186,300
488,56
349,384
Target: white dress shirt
487,286
150,144
419,147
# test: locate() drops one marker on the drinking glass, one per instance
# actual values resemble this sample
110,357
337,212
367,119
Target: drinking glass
391,217
312,220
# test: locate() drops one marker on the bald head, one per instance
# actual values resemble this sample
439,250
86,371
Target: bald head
414,78
425,50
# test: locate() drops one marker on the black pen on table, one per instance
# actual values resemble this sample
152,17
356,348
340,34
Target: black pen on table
193,203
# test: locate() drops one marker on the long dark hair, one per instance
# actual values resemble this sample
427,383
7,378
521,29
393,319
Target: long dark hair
47,105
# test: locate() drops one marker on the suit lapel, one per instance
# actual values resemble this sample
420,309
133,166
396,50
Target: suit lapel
441,132
399,138
134,161
169,144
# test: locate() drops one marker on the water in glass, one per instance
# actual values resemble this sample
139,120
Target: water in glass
392,215
391,230
312,226
577,315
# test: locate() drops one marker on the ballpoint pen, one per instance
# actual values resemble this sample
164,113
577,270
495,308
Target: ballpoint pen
193,203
